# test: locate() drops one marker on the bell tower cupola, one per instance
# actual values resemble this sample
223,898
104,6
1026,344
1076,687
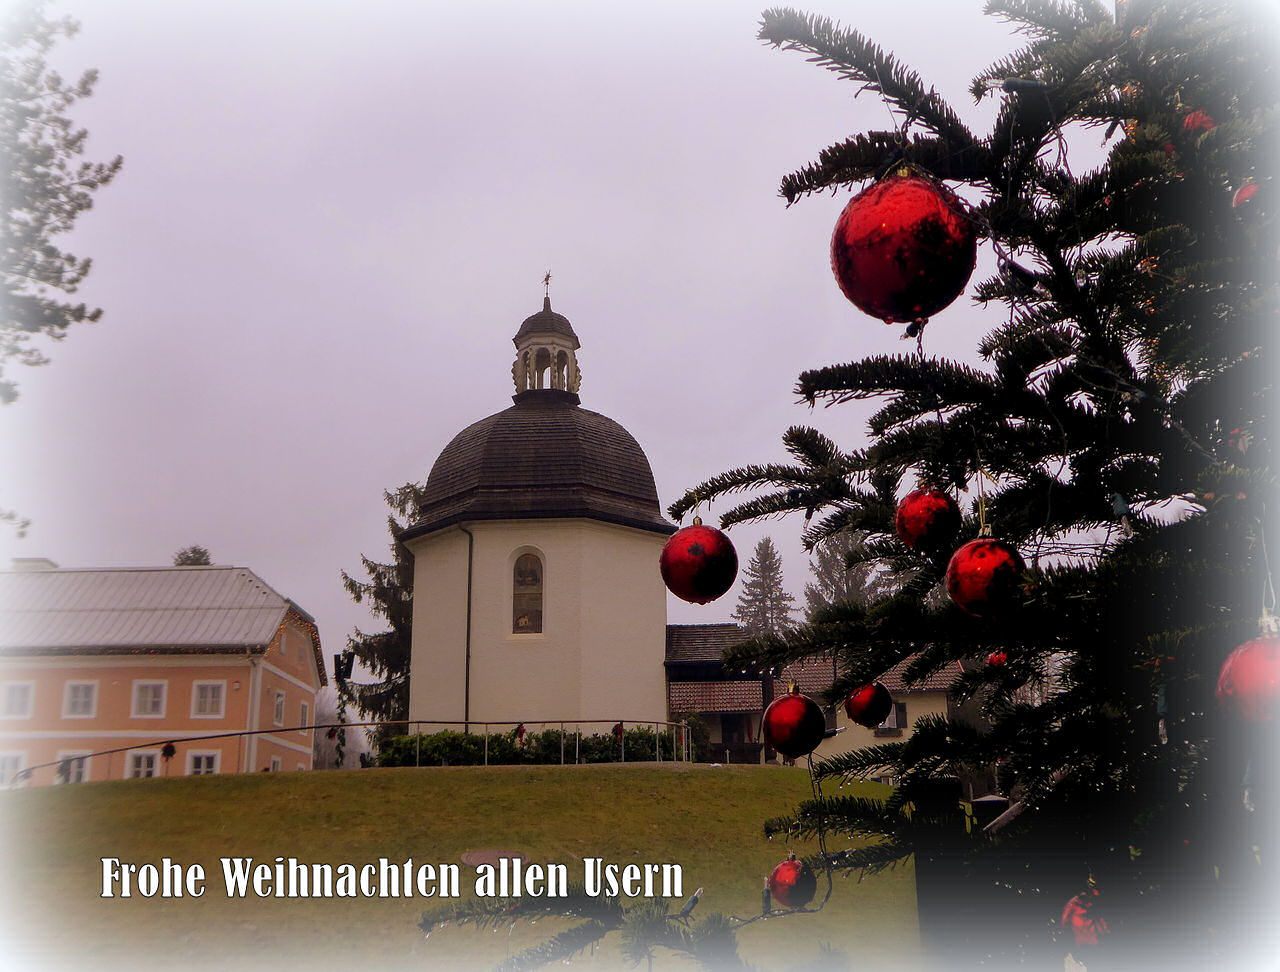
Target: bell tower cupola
546,352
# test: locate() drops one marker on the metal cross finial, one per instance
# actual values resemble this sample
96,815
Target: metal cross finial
546,285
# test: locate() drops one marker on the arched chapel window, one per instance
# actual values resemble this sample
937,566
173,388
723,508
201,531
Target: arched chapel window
526,595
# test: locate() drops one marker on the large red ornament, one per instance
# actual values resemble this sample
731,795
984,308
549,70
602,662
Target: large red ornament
1080,918
1249,682
698,563
1198,121
1244,194
903,249
984,577
794,725
997,658
792,883
869,706
926,519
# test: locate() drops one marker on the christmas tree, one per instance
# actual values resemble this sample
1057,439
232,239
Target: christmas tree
1111,449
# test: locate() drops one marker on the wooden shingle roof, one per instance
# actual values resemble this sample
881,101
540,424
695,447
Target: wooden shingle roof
701,642
543,457
546,321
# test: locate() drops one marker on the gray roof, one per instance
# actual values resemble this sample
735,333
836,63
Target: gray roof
701,642
160,610
543,457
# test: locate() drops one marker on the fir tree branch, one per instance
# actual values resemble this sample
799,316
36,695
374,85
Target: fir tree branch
948,380
851,56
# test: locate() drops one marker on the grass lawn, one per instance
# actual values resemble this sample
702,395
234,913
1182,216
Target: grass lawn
706,819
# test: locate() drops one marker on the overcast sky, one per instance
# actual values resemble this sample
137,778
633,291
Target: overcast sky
332,219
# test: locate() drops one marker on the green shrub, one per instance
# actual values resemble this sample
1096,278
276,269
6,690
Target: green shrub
450,748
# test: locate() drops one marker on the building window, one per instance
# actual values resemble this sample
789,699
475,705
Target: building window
306,715
207,699
72,768
275,764
80,700
895,722
142,765
202,764
10,766
148,700
277,716
526,595
16,700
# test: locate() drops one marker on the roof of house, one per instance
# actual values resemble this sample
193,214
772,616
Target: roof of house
701,642
715,696
812,676
142,610
939,681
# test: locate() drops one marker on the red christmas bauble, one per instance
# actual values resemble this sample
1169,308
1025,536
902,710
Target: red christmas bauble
792,884
984,577
1080,918
903,249
1249,682
1198,121
997,658
1244,194
926,519
794,725
698,563
869,706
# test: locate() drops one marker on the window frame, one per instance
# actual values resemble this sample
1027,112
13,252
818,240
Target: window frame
67,686
138,684
82,756
517,555
222,698
275,764
20,756
277,711
30,686
898,715
305,711
135,754
194,754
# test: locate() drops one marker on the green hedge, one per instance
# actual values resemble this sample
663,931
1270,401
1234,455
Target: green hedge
450,748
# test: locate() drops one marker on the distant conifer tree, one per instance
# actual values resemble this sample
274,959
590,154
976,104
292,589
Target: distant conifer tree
764,607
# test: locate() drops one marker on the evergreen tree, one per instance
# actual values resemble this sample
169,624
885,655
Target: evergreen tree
1118,433
841,575
45,188
763,606
193,556
389,594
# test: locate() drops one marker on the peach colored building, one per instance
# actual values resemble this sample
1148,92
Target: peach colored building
130,659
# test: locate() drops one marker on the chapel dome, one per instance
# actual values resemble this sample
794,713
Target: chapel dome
545,456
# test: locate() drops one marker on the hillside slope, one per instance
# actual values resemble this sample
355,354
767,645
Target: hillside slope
706,819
